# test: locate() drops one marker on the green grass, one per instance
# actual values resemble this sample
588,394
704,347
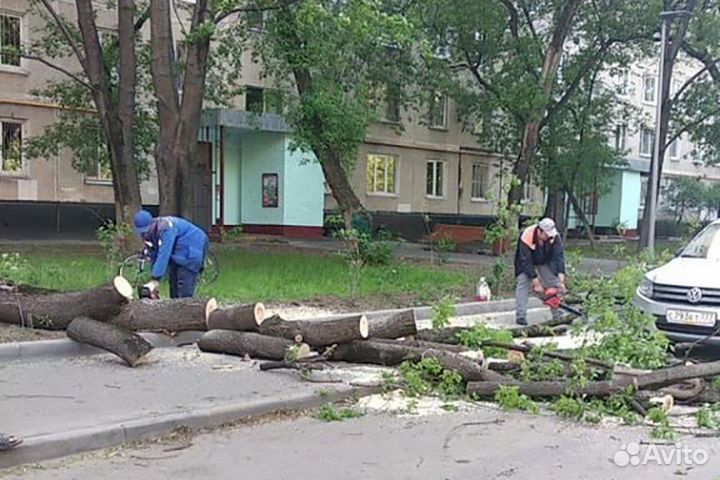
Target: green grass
268,276
617,250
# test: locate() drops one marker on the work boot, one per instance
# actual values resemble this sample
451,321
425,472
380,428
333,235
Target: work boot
9,441
521,321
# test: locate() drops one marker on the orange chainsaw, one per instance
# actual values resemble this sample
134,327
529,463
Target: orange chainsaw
551,297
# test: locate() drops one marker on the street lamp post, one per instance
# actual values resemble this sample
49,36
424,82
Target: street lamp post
665,17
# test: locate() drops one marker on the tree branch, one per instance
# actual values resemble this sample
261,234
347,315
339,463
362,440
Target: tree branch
282,4
687,127
58,68
513,22
529,22
687,84
66,33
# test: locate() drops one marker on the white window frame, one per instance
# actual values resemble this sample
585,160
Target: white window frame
374,190
444,125
651,137
645,89
23,164
527,192
623,83
97,178
435,184
15,68
674,145
621,136
473,181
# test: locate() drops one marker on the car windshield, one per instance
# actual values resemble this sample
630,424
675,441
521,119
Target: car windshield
706,244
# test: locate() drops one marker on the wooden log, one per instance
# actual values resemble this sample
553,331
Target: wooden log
652,380
541,329
55,311
447,335
241,317
317,333
385,353
171,315
400,324
255,345
525,348
127,345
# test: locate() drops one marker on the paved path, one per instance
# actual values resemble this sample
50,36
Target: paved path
481,445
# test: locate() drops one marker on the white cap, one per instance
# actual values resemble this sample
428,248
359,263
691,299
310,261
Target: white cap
547,225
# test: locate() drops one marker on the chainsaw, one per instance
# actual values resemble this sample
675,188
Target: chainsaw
551,297
145,292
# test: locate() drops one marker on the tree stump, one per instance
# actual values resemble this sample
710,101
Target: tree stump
127,345
55,311
255,345
317,333
171,315
401,324
241,317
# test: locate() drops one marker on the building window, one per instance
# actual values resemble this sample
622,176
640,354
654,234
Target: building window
438,110
527,191
99,167
673,149
480,186
9,40
434,179
257,20
675,87
623,83
391,105
620,136
647,139
11,153
649,88
260,100
381,174
643,191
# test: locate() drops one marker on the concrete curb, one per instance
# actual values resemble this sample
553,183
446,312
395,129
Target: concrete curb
55,445
62,348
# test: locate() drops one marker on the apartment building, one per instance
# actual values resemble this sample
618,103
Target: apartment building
621,208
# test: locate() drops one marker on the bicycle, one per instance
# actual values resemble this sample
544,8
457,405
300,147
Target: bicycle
133,268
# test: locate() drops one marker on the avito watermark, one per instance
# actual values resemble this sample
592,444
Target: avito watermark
673,454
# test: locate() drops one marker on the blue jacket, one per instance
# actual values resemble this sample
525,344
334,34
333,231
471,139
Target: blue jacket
177,240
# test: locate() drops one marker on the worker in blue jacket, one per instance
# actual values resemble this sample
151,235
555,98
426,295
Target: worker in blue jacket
177,249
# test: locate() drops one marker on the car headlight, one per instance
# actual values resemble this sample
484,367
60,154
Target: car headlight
646,288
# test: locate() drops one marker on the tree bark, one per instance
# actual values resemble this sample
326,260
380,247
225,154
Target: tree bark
653,380
317,333
171,315
127,345
55,311
242,317
386,353
246,343
539,329
401,324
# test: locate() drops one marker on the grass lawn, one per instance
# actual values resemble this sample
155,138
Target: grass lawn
270,275
617,250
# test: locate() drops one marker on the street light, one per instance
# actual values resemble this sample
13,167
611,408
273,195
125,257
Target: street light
665,18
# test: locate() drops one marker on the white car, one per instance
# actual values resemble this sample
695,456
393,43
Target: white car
684,294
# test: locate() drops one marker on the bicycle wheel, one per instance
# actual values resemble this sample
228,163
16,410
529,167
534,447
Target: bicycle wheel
211,269
130,270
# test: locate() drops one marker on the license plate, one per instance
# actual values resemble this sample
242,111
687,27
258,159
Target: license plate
687,317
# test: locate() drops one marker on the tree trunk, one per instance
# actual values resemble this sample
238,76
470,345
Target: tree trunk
447,335
653,380
387,353
317,333
172,315
401,324
583,218
55,311
555,208
246,343
241,317
127,345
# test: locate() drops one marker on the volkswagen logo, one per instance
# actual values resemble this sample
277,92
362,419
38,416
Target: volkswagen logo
694,295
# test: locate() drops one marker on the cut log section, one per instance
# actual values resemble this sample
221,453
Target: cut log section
55,311
401,324
386,353
171,315
127,345
242,317
233,342
317,333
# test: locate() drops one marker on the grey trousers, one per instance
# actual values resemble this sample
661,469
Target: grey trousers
523,289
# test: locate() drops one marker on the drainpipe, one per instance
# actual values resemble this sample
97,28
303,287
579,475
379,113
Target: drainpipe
222,177
460,186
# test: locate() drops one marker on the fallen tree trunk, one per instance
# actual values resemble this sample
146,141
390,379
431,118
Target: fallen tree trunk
401,324
55,311
317,333
449,335
541,329
241,317
127,345
525,348
386,353
652,380
255,345
171,315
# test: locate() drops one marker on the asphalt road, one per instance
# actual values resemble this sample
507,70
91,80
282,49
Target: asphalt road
482,444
